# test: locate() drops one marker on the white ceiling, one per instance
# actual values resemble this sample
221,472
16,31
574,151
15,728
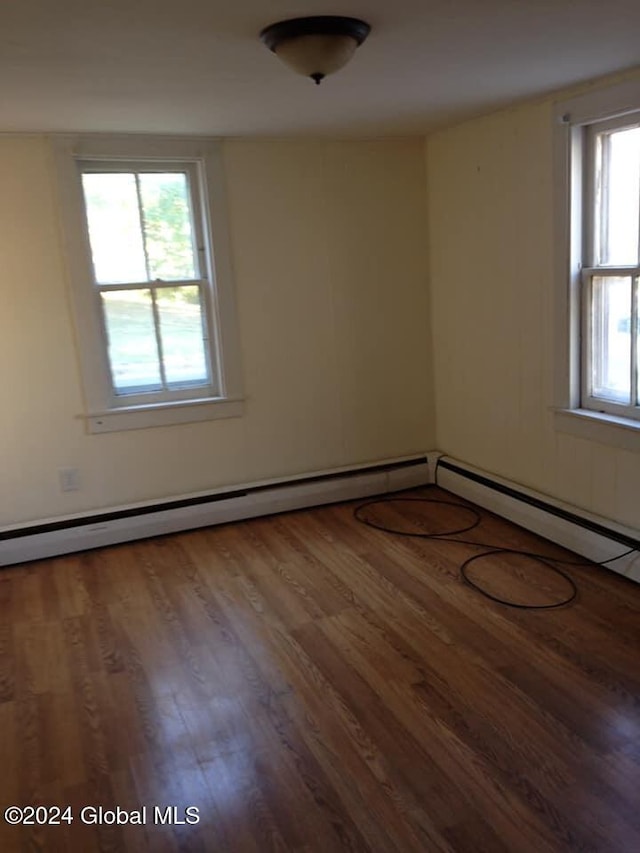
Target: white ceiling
198,66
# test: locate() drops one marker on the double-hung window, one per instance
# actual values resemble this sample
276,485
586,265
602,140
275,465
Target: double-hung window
150,275
611,270
149,278
597,232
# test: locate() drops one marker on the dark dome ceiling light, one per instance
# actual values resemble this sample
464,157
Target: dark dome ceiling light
316,46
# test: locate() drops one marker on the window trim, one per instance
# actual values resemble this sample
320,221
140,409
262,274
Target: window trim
100,413
570,117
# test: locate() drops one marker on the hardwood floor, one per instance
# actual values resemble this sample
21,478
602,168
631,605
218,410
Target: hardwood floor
312,684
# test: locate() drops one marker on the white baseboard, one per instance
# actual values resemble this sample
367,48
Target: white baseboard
52,537
65,535
594,545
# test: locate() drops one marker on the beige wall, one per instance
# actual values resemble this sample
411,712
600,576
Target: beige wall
330,259
330,265
492,295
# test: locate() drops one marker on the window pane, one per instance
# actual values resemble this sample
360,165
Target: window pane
183,344
620,197
133,352
167,225
611,338
114,227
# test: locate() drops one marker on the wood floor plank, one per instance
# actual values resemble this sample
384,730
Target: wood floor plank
313,684
285,658
415,770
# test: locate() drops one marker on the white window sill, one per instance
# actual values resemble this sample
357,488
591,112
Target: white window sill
600,427
163,414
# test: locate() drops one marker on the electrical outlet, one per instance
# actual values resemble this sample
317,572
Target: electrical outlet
69,479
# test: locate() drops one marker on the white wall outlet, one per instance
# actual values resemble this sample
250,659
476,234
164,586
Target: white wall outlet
69,479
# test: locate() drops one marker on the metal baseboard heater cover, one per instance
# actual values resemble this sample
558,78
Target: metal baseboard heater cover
53,537
589,535
585,533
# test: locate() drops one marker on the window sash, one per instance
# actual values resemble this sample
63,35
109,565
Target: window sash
188,389
595,224
191,169
589,398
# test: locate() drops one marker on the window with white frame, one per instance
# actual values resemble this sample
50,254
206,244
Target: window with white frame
148,257
611,267
596,227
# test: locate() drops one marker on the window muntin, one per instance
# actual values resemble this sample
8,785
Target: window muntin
149,261
610,276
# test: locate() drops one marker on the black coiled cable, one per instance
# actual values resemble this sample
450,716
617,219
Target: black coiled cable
474,522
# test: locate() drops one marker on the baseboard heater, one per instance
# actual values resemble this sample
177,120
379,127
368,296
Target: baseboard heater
589,535
50,538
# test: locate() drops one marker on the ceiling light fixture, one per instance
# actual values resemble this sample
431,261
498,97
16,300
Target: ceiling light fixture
315,46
